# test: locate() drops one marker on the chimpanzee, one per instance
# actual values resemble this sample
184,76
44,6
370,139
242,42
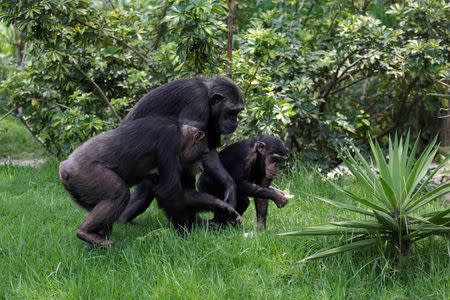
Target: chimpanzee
204,102
252,164
98,174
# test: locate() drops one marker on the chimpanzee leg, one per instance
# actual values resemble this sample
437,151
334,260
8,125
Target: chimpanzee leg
191,214
177,212
242,204
221,218
210,186
140,200
205,202
262,206
114,195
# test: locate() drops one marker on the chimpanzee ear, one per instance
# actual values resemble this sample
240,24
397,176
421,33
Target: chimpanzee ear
216,98
199,136
260,147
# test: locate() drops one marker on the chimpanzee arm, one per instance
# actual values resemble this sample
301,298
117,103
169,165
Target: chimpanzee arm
261,206
214,168
257,191
169,189
205,202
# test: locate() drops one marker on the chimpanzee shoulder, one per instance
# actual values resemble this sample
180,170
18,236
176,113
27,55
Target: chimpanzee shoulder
169,99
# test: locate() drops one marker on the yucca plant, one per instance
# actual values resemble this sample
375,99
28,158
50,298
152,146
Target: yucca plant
394,192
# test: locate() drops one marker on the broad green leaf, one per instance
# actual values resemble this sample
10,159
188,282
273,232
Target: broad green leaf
325,229
428,197
439,217
341,249
342,205
369,225
364,201
386,220
389,194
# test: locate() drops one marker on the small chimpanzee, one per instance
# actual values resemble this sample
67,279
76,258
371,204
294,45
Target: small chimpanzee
203,102
252,164
98,174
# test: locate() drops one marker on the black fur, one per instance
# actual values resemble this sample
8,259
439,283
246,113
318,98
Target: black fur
98,174
210,103
248,168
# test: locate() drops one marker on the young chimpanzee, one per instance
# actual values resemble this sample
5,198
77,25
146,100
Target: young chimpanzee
252,164
98,174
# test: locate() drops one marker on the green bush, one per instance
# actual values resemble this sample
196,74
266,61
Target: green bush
316,73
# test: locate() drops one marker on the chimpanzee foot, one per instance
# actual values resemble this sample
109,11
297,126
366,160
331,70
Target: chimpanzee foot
261,225
233,219
93,239
237,220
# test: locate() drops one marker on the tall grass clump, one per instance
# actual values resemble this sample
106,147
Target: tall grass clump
393,200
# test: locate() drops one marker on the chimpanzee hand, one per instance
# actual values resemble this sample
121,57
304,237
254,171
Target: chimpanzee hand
213,167
279,198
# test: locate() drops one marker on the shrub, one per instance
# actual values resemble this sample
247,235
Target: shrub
394,191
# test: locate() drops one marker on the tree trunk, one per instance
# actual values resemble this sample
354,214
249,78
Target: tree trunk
231,14
445,124
404,254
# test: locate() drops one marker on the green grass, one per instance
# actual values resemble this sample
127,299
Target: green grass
41,258
16,142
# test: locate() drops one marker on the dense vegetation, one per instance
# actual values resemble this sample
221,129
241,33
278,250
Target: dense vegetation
317,73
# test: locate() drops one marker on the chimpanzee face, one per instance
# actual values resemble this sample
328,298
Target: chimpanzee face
226,103
273,153
273,163
195,146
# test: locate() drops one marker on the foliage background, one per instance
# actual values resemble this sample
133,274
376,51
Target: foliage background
317,73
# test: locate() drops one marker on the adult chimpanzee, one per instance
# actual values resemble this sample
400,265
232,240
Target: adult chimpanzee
252,164
98,174
206,102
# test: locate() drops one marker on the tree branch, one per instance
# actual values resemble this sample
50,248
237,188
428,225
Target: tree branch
7,114
347,85
231,15
162,26
308,14
34,134
385,131
99,90
123,43
300,7
251,79
355,63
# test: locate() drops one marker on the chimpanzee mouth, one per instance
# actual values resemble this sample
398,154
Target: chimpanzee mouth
271,174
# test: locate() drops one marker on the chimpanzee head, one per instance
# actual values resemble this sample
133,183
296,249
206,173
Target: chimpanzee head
226,103
272,152
194,147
